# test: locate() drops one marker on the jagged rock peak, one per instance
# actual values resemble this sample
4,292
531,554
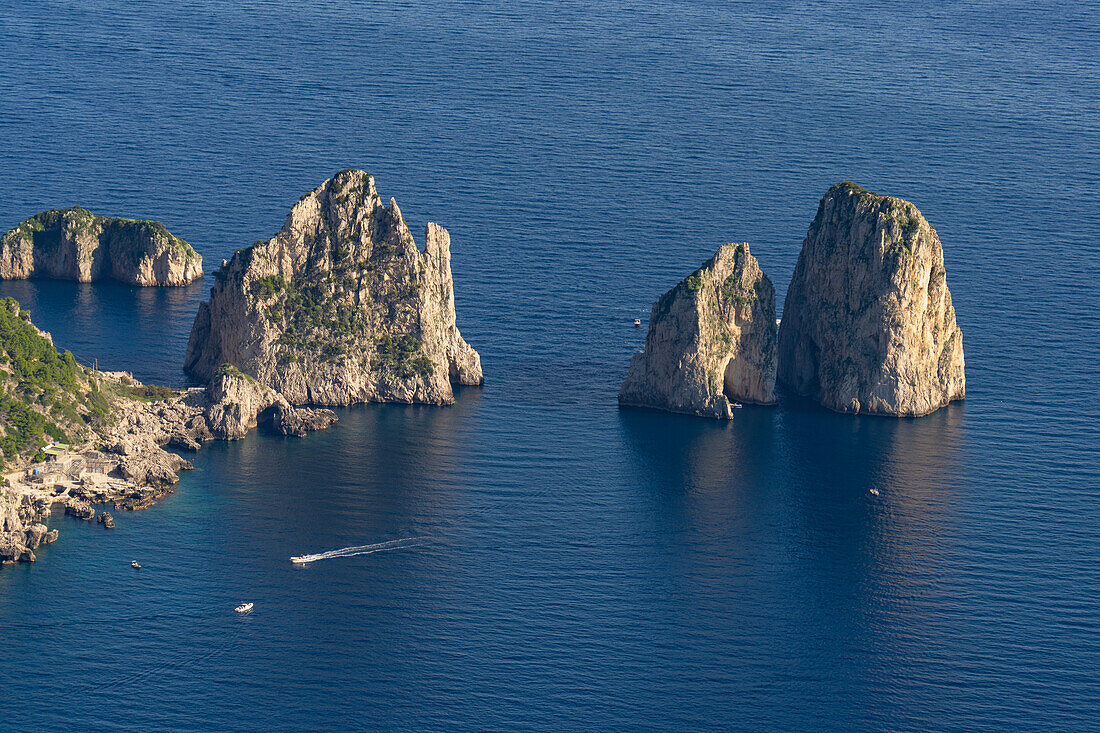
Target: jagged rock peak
868,325
711,341
339,307
75,244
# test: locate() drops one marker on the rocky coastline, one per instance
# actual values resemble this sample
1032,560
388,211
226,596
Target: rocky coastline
126,464
342,307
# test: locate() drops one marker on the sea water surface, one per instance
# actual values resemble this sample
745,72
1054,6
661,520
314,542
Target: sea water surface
570,565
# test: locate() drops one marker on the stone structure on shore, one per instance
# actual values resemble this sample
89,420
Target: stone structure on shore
868,325
340,307
75,244
711,341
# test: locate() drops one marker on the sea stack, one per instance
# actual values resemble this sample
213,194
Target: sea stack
339,307
75,244
868,325
711,341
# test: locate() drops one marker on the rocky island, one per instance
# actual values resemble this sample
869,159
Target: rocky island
711,341
868,325
75,244
340,307
75,436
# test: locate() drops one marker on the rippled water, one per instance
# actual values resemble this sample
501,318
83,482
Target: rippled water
580,566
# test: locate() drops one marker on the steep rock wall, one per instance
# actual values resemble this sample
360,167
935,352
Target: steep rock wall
75,244
339,307
868,324
711,340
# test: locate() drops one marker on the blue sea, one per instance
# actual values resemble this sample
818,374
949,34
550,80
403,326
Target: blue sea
576,566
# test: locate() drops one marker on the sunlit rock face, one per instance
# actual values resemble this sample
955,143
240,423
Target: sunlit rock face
339,307
75,244
868,325
711,341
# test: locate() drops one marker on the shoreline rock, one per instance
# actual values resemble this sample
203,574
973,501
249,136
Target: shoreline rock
130,469
75,244
302,420
236,401
868,324
80,509
711,341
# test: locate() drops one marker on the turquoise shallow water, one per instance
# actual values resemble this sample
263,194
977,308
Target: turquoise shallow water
581,567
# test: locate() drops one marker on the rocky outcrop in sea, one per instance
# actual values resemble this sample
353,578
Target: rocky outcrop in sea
75,244
19,538
868,325
339,307
235,402
711,341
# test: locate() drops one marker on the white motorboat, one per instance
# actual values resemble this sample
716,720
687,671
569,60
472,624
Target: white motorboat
244,608
300,559
134,564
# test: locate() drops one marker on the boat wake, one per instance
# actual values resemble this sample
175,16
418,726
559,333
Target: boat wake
360,550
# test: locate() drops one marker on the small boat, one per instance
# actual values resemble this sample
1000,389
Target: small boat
134,564
637,321
736,405
244,608
874,491
300,559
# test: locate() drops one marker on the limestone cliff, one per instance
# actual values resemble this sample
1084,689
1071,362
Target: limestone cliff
75,244
711,341
235,401
339,307
19,538
868,324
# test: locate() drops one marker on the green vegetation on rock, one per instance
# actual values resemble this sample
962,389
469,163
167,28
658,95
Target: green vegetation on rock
40,386
85,222
45,395
402,356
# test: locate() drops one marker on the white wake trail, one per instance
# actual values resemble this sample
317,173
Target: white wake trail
362,549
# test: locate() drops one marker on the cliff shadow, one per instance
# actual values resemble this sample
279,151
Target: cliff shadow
117,327
870,517
703,472
380,470
765,528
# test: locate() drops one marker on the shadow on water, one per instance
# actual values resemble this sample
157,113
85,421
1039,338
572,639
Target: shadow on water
792,486
772,537
152,322
702,470
382,472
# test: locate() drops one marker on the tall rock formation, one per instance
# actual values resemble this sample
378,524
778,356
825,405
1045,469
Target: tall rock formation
868,325
711,341
75,244
339,307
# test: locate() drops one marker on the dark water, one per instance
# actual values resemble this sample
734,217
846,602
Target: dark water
583,567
